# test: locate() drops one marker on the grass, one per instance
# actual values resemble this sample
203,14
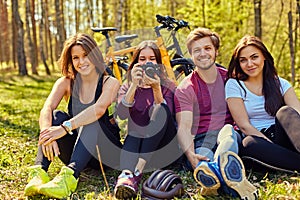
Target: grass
20,102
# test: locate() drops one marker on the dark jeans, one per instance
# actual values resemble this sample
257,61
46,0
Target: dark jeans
281,152
158,148
78,151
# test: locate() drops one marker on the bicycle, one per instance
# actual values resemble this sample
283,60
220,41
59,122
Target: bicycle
115,58
175,67
182,65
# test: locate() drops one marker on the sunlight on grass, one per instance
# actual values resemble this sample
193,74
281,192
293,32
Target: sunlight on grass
21,100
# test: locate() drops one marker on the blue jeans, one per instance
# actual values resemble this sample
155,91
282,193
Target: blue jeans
214,143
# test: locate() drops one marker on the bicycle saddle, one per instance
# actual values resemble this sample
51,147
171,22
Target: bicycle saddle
163,184
97,29
123,38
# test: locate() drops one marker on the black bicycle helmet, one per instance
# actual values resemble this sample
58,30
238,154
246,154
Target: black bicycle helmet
163,184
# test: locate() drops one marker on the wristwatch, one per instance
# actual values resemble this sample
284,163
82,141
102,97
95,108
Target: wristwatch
68,127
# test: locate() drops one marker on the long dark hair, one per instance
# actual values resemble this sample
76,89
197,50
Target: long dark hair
135,59
271,84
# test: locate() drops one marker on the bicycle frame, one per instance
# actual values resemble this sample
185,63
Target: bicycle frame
166,23
175,45
110,54
124,51
164,53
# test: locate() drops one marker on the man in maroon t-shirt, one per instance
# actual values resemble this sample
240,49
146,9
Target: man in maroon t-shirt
205,129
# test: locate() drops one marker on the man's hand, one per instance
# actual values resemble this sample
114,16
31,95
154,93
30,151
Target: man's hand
196,158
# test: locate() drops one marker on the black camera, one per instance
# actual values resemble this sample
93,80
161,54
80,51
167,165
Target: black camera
151,69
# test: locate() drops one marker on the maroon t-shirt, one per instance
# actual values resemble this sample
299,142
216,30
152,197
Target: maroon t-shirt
205,101
139,114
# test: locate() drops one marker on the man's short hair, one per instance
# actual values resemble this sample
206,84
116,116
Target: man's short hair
199,33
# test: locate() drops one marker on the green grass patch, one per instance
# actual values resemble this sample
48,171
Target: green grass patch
20,102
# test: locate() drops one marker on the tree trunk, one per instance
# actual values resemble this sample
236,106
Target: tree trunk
203,13
298,9
34,36
20,40
42,52
48,42
257,18
291,44
277,26
76,16
173,8
127,15
104,14
30,43
62,18
98,21
90,19
1,38
281,52
14,37
60,28
118,21
297,45
5,54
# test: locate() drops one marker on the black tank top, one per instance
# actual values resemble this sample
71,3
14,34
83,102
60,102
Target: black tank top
112,131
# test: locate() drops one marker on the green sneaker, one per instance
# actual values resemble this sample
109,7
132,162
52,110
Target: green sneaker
61,186
37,177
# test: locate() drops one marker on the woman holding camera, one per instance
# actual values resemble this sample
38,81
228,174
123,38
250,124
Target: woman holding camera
146,101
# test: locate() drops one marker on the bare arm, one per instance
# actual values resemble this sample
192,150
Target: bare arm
157,94
185,137
240,116
129,96
59,89
95,111
156,88
291,99
137,76
87,116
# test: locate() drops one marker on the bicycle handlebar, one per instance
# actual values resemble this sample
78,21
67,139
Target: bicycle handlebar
169,22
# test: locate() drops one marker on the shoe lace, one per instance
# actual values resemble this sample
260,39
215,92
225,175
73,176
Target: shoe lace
34,173
126,175
137,172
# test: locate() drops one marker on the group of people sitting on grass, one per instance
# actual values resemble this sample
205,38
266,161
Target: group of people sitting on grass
214,116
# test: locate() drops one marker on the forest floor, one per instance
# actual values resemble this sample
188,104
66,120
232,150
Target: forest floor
20,102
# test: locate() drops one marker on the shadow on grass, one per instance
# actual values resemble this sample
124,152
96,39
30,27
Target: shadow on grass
13,129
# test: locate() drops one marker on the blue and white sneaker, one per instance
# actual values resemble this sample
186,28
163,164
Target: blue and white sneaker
233,175
206,175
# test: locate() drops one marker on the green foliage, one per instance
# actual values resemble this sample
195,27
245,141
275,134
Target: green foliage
231,19
21,99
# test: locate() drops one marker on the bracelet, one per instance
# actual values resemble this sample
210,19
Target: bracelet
128,105
164,102
64,128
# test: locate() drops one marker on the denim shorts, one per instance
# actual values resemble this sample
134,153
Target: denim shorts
205,144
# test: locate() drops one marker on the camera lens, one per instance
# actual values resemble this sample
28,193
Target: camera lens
150,71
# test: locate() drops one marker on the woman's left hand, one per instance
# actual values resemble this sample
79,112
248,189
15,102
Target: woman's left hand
153,82
51,134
